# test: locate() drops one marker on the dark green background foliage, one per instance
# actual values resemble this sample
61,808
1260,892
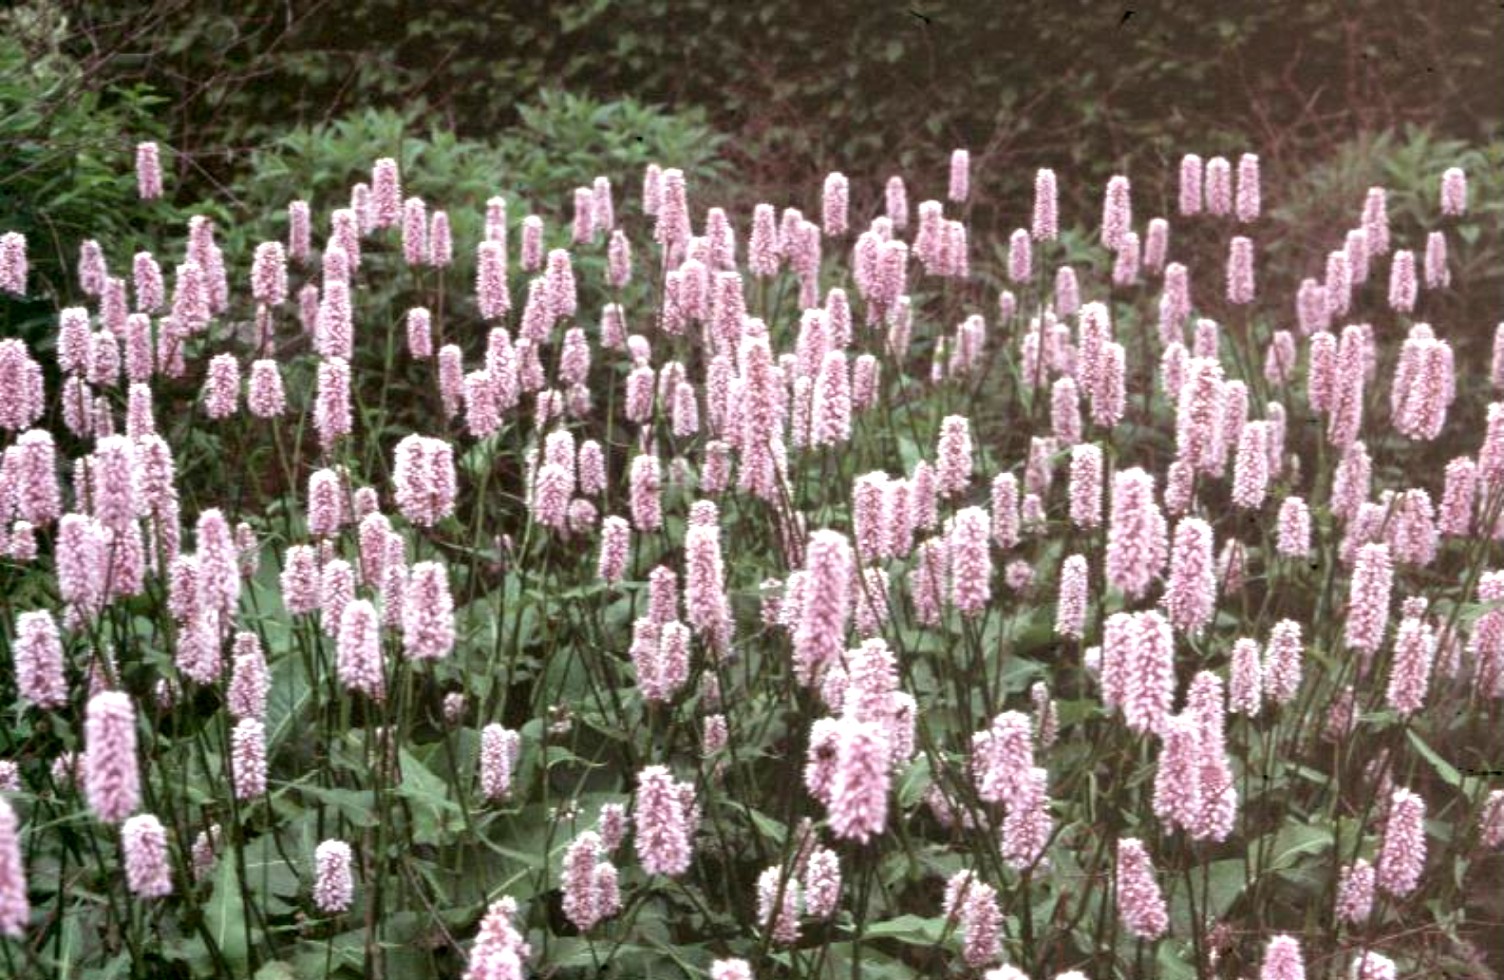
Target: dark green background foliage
867,88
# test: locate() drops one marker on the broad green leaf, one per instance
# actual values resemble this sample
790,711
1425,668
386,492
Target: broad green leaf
225,913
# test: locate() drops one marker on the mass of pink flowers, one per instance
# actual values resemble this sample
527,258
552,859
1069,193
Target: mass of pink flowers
534,583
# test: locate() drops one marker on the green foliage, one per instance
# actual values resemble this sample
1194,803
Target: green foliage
66,157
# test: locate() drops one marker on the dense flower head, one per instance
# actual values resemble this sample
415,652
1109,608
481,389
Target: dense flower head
333,880
424,479
664,823
143,842
1140,903
112,781
1402,852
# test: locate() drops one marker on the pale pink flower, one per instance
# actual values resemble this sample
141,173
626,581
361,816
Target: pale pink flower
39,660
664,829
143,843
1137,543
1283,960
249,682
1247,202
1070,607
15,908
1086,485
359,660
300,579
1491,820
971,561
500,950
499,751
1368,598
820,636
1117,212
1453,191
248,758
1402,852
1045,226
733,969
1219,186
858,807
112,781
778,905
333,882
1190,184
953,456
331,414
13,263
427,612
424,479
1140,903
1355,889
21,394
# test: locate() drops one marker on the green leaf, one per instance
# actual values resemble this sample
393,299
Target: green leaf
909,929
225,913
1444,769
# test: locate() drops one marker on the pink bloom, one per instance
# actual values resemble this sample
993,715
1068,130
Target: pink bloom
1368,598
833,205
730,970
859,789
1070,608
112,782
1140,904
499,751
21,395
820,636
424,479
1282,960
1086,485
359,660
953,456
39,660
1117,212
13,263
331,414
143,841
960,176
300,579
1147,671
971,562
1402,285
1190,184
1218,186
1491,820
1369,965
248,758
1457,498
1177,779
427,612
1137,543
1247,204
15,908
1376,221
1402,853
265,397
822,883
1240,271
664,837
1355,892
778,905
500,950
1126,260
1438,276
333,883
1020,256
1002,756
491,279
830,423
1453,191
1045,226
